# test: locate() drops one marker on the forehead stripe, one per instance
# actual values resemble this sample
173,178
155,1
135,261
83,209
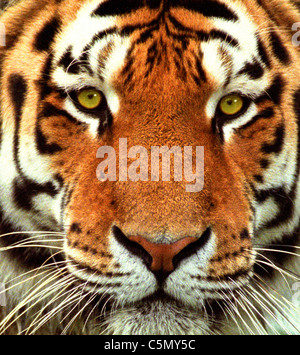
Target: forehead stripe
263,52
201,35
253,70
123,7
46,36
208,8
279,49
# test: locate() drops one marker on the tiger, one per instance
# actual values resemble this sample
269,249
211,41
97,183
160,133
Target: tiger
85,254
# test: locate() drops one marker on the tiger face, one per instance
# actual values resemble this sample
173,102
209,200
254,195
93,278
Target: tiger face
146,254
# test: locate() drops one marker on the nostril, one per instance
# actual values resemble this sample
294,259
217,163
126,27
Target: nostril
132,246
192,248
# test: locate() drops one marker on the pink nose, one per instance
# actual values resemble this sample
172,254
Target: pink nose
163,254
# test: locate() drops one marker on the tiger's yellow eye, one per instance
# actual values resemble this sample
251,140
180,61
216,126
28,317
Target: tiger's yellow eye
231,104
90,99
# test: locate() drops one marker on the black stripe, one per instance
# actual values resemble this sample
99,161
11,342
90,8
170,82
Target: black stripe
23,187
133,247
145,35
150,28
277,145
245,234
154,4
217,34
68,196
202,35
42,145
262,195
264,163
64,202
50,110
47,111
69,63
17,87
25,256
1,85
274,92
259,178
207,8
121,7
99,35
24,190
263,52
85,63
106,120
200,71
75,66
46,36
43,83
253,70
285,201
296,3
286,206
117,7
279,50
75,228
152,54
265,114
181,71
296,106
128,69
12,38
281,251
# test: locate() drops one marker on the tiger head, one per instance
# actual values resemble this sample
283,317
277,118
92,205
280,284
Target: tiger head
90,89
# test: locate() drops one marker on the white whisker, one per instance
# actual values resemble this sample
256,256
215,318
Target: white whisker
33,298
279,304
235,314
67,297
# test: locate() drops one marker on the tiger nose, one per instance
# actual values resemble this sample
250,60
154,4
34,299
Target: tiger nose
162,255
162,259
